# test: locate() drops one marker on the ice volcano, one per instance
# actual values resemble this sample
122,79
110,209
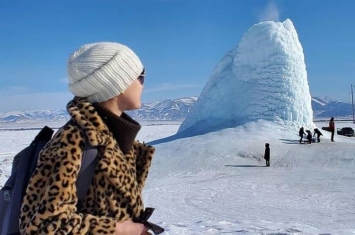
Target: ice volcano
264,77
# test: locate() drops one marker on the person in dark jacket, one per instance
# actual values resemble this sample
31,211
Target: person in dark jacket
318,133
301,133
309,136
332,128
267,154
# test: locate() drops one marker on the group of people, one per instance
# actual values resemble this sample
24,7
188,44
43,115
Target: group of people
309,138
317,132
309,135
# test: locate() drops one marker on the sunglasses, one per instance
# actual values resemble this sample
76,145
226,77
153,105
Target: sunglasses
142,77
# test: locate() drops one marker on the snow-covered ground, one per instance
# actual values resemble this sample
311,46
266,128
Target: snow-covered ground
217,183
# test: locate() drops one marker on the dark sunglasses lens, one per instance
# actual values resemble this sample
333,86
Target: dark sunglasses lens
141,79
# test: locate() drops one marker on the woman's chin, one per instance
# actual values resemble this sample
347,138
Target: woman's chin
135,106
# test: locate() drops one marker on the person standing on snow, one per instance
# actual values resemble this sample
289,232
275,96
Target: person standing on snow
267,154
332,128
301,133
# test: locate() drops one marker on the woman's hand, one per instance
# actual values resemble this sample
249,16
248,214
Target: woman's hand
128,227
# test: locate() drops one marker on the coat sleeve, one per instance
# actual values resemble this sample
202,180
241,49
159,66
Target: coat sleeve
49,205
144,156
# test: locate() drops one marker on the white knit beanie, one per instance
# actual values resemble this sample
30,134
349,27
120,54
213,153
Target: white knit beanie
101,71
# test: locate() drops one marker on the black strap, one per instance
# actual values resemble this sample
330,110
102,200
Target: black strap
86,173
156,229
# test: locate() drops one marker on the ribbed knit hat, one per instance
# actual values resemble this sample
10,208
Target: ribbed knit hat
101,71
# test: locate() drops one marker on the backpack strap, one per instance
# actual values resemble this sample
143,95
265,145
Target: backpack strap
86,172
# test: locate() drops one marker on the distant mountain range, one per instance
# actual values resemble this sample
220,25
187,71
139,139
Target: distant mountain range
324,108
176,110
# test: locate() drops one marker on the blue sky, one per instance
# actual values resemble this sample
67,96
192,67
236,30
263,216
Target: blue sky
179,42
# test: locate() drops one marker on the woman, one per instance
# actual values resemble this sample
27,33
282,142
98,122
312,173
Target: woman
106,79
332,128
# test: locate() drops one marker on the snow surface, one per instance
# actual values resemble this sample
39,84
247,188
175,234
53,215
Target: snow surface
265,78
217,183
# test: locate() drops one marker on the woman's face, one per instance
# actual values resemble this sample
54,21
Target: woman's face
131,98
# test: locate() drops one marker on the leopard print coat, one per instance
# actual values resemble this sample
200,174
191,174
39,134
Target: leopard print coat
115,194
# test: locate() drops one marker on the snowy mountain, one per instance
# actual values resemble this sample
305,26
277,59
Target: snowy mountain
176,110
323,108
48,115
169,110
